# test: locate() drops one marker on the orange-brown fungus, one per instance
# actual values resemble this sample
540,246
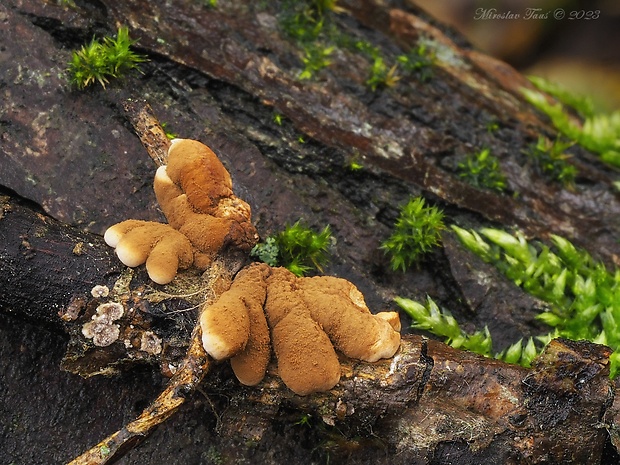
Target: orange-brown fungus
226,324
308,315
195,193
163,248
306,319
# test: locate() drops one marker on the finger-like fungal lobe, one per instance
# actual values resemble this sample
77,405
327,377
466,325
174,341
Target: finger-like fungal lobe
160,246
309,317
339,308
250,365
235,326
195,193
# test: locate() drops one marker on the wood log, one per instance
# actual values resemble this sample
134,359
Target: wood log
221,75
428,401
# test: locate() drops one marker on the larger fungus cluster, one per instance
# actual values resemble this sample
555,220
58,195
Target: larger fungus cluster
303,320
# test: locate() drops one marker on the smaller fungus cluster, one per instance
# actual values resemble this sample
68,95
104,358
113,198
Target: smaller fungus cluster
194,191
102,329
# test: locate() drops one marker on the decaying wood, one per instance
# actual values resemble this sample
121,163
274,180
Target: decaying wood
428,400
220,75
151,134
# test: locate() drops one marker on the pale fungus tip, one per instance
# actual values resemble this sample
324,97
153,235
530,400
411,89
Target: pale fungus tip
112,236
215,346
127,254
161,275
162,174
392,318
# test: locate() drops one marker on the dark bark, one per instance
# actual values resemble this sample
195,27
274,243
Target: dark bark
428,401
219,75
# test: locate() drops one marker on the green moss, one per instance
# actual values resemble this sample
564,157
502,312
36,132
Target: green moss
355,166
278,118
599,133
416,232
169,134
418,62
298,248
382,75
550,159
581,104
441,323
482,170
315,59
582,294
100,61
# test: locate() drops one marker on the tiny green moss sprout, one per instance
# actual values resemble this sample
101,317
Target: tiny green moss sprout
416,232
278,119
315,59
582,294
298,248
304,20
169,134
367,49
599,133
100,61
482,170
305,420
492,126
325,6
355,165
550,159
382,75
418,61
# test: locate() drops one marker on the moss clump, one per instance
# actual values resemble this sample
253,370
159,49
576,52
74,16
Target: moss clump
550,159
599,133
100,61
482,170
417,231
297,248
583,295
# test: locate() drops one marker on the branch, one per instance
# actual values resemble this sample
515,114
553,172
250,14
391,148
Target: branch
427,396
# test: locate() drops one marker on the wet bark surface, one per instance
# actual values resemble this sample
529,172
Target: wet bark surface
221,75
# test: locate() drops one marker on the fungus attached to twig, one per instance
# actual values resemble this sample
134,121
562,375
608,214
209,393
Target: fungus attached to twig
309,315
195,193
309,319
306,319
235,325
